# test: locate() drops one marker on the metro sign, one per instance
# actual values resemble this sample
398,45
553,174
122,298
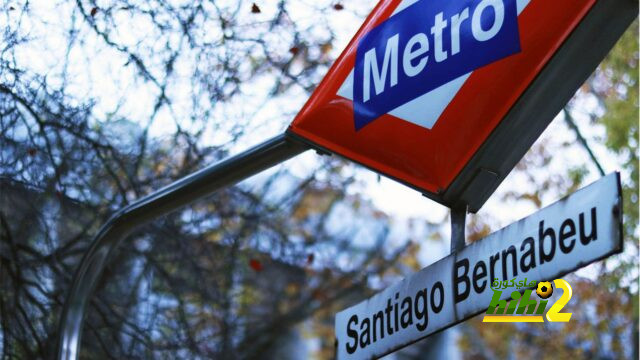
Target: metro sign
446,96
434,50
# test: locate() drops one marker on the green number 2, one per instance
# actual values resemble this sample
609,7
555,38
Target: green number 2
554,313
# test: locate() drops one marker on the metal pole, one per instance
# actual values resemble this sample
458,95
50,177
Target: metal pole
161,202
458,219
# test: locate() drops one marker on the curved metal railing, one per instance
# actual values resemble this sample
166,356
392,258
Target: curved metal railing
161,202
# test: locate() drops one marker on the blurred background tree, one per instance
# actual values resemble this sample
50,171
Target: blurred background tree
104,102
603,117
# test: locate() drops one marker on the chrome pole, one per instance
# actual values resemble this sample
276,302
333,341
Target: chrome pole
172,197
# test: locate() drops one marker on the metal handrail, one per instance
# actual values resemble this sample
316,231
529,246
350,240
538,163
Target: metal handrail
161,202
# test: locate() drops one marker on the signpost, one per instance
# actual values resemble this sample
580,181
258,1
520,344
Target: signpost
447,96
567,235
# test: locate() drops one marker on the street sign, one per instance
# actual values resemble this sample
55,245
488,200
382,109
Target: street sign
446,96
567,235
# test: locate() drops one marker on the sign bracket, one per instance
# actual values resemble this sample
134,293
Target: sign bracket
458,222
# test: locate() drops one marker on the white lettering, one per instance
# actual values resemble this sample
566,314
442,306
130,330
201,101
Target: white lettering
380,77
414,58
476,27
456,21
411,54
436,30
371,68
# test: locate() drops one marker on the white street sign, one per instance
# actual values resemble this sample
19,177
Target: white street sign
569,234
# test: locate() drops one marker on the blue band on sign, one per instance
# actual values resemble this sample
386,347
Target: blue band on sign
426,45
